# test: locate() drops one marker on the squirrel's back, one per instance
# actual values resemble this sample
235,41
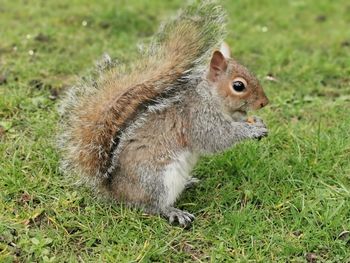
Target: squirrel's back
96,112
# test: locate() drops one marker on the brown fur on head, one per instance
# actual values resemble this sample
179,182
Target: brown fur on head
239,90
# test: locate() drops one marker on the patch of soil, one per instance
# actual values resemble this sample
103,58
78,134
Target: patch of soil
54,93
311,257
36,83
25,198
3,79
2,132
345,43
189,249
321,18
105,24
37,220
42,38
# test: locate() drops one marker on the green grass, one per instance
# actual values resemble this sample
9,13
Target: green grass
283,199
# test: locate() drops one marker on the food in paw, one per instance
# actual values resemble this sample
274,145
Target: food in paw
250,120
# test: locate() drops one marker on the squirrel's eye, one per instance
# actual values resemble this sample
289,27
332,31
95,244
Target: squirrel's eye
238,86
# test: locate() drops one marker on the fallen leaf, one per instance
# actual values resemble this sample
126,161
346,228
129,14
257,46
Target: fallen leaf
270,77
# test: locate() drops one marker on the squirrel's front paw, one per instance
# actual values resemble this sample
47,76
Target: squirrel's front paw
259,128
260,133
256,121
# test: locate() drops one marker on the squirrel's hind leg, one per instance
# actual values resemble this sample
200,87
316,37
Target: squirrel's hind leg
176,178
154,190
152,178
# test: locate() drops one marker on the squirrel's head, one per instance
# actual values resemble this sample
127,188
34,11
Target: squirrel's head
238,89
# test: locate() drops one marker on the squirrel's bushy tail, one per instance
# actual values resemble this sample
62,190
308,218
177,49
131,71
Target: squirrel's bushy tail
96,112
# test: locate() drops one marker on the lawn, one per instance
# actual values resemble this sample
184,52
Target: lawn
285,198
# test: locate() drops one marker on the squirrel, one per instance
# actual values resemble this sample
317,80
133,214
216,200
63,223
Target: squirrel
134,132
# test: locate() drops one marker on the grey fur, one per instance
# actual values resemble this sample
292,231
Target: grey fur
191,119
215,131
211,130
208,18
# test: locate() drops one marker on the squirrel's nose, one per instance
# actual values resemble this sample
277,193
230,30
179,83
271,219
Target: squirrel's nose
264,102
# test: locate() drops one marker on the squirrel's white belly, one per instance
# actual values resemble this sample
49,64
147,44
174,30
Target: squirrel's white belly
177,175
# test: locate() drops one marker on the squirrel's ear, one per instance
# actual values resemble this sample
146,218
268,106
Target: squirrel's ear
218,65
225,50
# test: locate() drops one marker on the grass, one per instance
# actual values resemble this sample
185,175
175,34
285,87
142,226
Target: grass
283,199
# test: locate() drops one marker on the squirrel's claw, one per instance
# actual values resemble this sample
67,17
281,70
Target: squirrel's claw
177,216
258,122
191,182
260,129
263,133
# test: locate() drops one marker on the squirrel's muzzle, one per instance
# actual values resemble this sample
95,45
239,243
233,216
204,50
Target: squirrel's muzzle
261,102
264,102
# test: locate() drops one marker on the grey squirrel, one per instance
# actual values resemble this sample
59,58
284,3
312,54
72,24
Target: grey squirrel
134,132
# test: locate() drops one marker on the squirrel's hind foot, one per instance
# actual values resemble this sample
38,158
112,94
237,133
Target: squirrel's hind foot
177,216
191,182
